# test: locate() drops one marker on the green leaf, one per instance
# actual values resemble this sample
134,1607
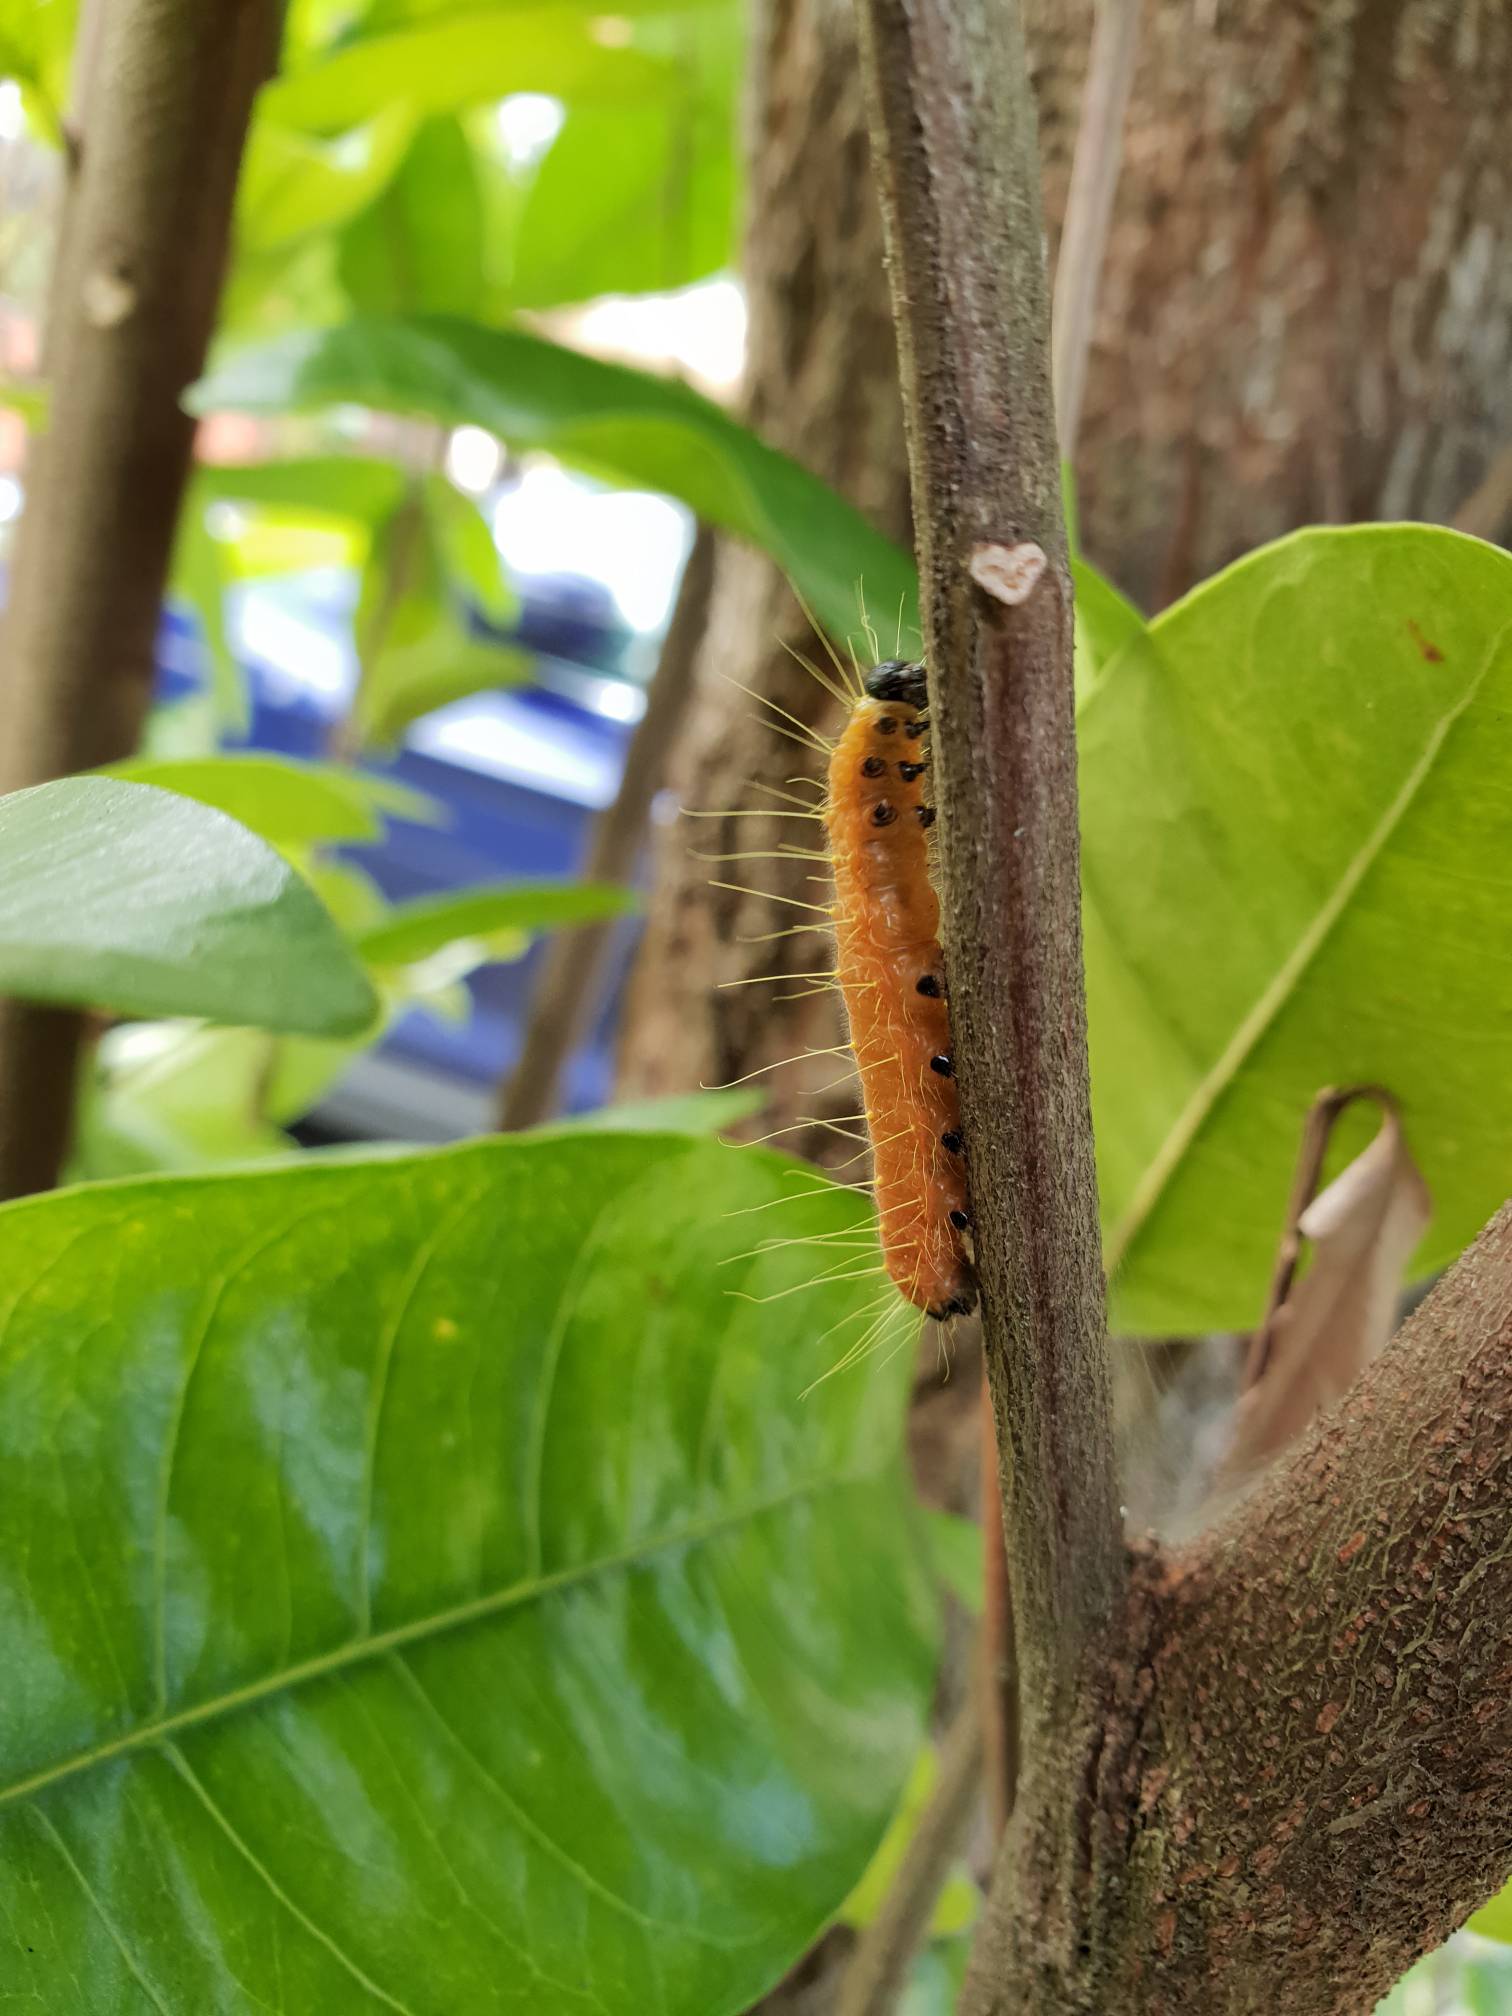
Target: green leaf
635,197
958,1902
442,65
939,1974
501,914
294,187
366,1649
1107,626
440,666
287,801
30,397
121,896
419,248
198,576
956,1545
469,552
676,1113
414,652
358,488
625,424
1494,1920
36,48
1295,835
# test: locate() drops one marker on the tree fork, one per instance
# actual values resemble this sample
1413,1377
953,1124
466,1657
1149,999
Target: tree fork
129,317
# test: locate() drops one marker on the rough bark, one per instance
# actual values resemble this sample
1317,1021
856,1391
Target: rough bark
1300,1779
568,991
130,313
822,384
1306,312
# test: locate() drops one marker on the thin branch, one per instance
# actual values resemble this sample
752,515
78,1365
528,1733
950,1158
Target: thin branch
954,138
878,1972
568,989
129,316
1095,170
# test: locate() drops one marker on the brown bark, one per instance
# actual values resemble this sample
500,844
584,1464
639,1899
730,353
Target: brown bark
569,987
130,313
822,384
1306,311
953,127
1300,1778
1268,1771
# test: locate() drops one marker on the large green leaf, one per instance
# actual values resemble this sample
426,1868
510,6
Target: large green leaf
126,897
424,1588
1494,1920
629,425
1296,830
293,186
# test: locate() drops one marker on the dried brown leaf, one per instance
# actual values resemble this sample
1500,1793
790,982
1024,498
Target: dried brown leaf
1324,1330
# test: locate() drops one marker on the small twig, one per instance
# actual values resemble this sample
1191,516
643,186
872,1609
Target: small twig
878,1972
1095,169
567,991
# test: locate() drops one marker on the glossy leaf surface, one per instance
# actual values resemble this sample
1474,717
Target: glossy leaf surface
121,896
425,1589
1296,829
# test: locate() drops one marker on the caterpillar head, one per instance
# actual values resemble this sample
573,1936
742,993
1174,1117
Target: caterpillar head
899,680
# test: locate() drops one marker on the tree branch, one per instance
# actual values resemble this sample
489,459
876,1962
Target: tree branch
129,317
1303,1775
567,989
954,137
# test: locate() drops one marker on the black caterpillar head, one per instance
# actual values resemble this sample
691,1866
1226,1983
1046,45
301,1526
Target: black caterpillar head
898,680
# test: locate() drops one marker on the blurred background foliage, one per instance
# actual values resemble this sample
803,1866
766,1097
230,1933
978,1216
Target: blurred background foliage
476,377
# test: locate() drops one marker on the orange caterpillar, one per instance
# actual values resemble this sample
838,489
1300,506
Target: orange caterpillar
890,974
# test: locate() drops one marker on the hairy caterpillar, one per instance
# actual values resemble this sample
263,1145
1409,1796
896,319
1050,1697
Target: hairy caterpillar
891,976
889,972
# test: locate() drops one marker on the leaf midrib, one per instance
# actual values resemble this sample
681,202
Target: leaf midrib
356,1652
1211,1088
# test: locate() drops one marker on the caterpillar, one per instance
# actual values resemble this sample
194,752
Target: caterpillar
889,972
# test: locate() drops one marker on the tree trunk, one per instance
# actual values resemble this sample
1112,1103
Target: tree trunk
135,284
1306,310
822,384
